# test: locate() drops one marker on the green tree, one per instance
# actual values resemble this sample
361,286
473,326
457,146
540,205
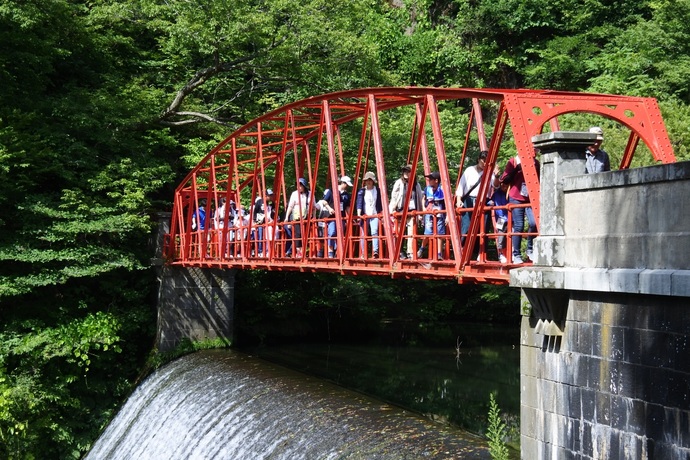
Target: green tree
100,102
650,58
80,169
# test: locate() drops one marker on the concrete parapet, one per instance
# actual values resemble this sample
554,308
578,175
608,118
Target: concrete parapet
629,219
633,281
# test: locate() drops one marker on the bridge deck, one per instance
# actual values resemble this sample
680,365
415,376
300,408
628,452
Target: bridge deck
240,247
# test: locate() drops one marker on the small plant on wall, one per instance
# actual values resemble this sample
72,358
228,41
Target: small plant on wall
496,432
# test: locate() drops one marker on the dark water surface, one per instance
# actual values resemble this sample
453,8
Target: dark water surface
449,381
226,405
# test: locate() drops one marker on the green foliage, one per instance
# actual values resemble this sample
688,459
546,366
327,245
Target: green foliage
158,359
496,432
651,57
42,370
344,308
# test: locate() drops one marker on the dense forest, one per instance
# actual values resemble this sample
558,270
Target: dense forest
106,104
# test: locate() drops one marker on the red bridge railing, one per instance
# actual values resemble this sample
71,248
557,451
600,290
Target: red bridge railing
349,133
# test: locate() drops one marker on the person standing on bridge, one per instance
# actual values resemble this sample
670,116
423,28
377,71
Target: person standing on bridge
264,215
219,225
296,211
199,216
500,219
198,226
370,206
467,194
434,217
395,206
329,205
596,160
519,195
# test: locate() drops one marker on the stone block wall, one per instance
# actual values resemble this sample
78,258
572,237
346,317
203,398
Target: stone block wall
614,385
195,304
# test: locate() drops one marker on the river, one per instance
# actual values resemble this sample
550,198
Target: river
387,399
448,380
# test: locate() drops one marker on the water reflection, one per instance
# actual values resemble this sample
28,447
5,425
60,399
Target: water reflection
449,382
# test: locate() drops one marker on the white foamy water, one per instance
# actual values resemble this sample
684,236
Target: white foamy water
226,405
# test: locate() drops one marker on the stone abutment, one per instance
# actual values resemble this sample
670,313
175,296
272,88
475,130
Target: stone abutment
605,337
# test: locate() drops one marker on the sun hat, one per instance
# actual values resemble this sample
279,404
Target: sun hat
598,131
370,175
346,180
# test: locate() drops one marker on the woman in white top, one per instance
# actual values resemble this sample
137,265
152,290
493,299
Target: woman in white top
395,206
369,204
467,195
297,209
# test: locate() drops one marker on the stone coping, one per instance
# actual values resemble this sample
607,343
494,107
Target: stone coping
626,177
623,280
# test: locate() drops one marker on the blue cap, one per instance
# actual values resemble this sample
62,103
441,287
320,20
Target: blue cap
303,182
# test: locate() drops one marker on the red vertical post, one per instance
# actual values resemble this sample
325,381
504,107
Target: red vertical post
633,140
334,181
443,170
381,175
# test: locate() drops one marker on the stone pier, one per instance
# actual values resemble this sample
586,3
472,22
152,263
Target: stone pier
605,339
194,304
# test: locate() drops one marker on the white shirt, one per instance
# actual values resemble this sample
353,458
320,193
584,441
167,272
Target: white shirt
219,216
470,177
298,203
370,196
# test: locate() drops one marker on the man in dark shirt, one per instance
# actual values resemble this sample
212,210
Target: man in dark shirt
597,160
328,204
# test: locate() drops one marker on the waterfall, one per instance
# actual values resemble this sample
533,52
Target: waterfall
226,405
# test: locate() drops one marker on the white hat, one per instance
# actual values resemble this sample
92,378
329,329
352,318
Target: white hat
346,180
598,131
370,175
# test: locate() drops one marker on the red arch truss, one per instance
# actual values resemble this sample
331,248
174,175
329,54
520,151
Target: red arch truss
325,137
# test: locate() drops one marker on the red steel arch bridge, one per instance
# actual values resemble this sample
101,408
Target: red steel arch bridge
378,130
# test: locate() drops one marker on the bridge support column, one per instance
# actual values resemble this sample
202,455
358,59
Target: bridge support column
605,340
194,303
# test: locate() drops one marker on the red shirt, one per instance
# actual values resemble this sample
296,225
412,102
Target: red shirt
515,171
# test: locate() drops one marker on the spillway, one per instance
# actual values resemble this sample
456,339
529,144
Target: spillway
223,404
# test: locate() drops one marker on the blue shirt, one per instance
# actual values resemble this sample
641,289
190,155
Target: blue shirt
597,162
499,199
200,217
435,197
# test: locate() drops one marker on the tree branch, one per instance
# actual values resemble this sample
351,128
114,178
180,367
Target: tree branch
199,78
197,117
